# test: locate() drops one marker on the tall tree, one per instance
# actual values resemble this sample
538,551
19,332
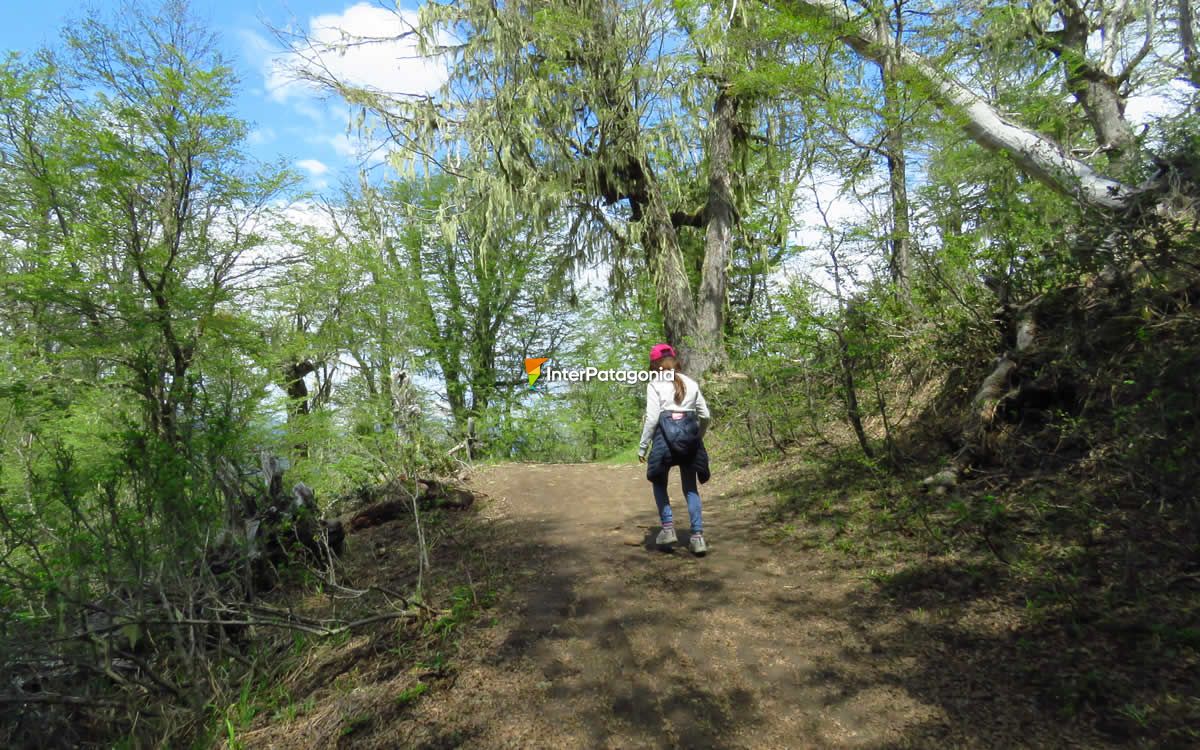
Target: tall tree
571,110
1098,76
1186,24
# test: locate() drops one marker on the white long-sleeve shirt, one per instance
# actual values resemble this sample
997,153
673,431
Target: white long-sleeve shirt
660,397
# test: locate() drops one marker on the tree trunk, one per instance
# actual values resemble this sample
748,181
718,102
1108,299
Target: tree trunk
456,392
718,238
897,164
1096,91
1187,41
1035,154
471,440
900,261
297,393
853,411
1105,110
674,289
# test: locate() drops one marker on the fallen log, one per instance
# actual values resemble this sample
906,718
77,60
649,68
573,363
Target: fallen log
430,494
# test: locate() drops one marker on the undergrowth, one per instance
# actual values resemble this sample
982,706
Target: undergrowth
1076,526
348,687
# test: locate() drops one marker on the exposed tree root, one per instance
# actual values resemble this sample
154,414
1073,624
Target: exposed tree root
995,390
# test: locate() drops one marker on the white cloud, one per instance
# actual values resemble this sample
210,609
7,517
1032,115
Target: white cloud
314,167
364,45
343,145
825,191
310,110
1163,101
310,214
261,136
361,148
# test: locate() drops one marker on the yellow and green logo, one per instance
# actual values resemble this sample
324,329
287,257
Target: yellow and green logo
533,368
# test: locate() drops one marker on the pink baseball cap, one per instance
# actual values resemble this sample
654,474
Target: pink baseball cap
658,351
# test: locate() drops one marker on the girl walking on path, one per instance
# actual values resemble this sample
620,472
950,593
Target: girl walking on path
672,435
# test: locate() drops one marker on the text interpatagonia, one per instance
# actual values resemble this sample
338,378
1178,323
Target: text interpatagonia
585,374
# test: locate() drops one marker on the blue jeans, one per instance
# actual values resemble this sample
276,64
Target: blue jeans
688,476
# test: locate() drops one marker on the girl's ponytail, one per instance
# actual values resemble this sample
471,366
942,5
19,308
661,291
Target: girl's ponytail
680,388
668,362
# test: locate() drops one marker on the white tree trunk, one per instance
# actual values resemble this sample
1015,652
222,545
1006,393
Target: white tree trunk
1035,154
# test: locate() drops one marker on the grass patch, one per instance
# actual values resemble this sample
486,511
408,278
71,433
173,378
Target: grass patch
292,710
411,694
621,458
465,607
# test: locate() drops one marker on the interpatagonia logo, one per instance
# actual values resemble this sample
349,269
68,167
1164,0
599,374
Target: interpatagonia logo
533,369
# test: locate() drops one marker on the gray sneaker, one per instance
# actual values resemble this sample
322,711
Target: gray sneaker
697,545
666,537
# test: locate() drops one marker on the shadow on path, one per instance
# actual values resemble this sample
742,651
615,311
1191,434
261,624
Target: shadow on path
604,641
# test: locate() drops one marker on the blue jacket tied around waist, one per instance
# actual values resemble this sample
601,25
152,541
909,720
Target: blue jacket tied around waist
677,442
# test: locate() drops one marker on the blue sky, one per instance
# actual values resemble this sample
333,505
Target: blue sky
289,120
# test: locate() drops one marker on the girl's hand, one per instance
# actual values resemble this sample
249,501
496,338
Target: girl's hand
641,458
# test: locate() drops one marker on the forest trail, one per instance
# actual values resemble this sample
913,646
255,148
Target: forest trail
607,642
596,639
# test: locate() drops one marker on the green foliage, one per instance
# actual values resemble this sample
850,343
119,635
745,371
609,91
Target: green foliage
411,694
127,358
124,354
356,723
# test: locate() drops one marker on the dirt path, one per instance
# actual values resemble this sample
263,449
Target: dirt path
599,640
608,643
